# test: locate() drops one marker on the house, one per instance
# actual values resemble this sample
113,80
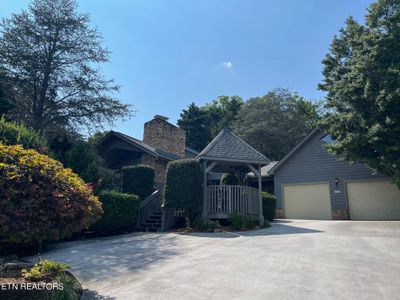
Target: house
310,183
162,142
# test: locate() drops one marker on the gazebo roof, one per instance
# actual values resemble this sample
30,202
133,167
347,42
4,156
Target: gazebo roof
228,147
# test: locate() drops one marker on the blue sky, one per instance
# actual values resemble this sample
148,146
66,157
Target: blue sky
166,54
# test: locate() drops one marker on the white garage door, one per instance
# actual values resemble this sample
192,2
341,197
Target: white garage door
307,201
373,200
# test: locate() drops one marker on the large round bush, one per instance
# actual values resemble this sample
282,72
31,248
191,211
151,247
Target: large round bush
138,180
229,179
40,200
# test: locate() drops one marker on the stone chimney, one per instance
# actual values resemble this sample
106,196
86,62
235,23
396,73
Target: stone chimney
161,134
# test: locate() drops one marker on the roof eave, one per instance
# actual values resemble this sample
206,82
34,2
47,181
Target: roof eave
140,147
258,162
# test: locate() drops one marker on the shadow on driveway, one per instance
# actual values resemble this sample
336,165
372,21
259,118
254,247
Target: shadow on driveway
112,256
277,228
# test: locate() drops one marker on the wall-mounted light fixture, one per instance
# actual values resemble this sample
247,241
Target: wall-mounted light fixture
337,182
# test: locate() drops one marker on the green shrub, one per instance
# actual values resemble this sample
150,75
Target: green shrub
241,221
120,212
12,133
206,225
40,199
83,159
45,269
72,289
229,179
183,185
138,180
269,205
52,271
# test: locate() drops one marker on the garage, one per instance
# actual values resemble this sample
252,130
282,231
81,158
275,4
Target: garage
307,201
373,200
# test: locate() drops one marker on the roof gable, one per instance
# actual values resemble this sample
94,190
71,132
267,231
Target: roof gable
294,151
227,146
158,153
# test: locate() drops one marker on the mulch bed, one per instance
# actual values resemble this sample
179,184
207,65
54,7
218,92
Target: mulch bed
15,287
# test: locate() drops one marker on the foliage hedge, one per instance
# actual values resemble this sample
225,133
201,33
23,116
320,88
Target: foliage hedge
40,199
121,211
183,185
138,180
241,221
229,179
12,133
269,206
206,225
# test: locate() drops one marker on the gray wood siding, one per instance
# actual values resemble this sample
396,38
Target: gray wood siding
313,164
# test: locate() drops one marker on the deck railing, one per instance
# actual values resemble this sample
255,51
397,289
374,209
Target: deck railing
150,205
223,200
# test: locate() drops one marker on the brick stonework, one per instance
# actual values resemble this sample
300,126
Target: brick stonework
161,134
340,214
280,213
160,166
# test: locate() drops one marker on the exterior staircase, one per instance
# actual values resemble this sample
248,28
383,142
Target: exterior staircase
153,223
150,215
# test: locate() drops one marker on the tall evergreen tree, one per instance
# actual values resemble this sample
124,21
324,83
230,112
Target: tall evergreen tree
203,123
193,120
362,78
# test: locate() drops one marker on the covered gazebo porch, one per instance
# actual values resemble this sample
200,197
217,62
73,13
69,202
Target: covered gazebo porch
227,153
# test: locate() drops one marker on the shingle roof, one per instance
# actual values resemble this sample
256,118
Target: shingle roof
142,146
226,146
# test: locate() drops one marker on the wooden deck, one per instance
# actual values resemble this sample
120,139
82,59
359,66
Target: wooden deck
222,200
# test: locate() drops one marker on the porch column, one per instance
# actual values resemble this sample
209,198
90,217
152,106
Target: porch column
260,215
206,169
204,214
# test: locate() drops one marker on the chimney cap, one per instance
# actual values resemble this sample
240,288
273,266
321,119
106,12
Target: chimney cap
161,117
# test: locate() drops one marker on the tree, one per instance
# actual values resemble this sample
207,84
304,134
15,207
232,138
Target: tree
222,113
50,56
276,122
5,104
82,157
361,75
194,121
202,124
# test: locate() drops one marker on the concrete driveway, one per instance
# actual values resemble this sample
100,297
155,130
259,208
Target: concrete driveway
291,260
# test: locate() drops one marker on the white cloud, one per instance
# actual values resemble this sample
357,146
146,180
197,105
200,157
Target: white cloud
228,65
